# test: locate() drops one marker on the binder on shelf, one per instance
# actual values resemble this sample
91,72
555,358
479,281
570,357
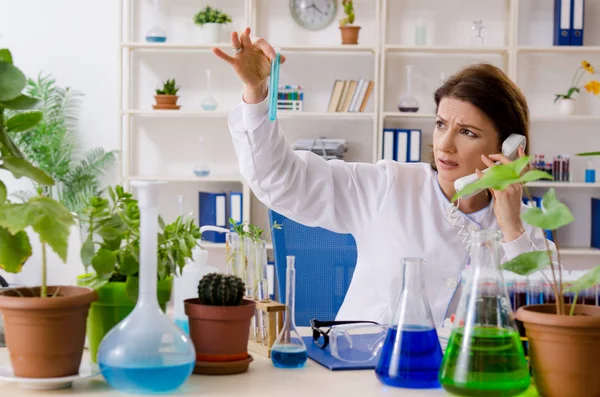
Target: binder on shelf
577,10
414,143
595,237
402,148
212,211
235,207
562,22
389,144
407,145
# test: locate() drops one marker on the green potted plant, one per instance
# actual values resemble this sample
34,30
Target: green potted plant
220,324
211,21
39,347
166,97
566,101
347,27
564,341
112,250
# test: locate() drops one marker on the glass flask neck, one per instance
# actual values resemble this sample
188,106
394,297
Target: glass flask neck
413,281
412,307
408,79
290,293
148,256
485,250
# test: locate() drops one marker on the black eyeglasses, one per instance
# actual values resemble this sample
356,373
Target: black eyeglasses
321,337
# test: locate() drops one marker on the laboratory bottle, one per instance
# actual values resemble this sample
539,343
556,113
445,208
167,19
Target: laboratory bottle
147,353
411,355
484,356
407,102
289,350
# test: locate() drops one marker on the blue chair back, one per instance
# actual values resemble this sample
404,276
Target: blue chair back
324,262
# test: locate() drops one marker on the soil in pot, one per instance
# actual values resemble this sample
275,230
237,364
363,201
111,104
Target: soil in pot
166,102
350,34
45,336
563,350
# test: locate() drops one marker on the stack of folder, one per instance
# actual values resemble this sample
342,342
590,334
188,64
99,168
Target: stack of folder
568,22
215,209
402,145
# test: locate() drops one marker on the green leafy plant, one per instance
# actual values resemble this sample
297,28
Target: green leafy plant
552,216
211,15
49,219
52,145
349,11
113,242
169,88
215,289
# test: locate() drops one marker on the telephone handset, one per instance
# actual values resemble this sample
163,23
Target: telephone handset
510,148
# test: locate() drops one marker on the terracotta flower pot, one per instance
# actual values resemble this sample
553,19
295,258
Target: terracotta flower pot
220,333
166,102
563,350
45,336
349,34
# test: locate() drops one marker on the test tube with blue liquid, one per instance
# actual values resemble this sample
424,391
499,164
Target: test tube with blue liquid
289,350
274,86
412,355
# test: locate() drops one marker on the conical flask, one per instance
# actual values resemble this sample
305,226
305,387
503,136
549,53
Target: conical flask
147,353
407,101
411,355
289,350
484,355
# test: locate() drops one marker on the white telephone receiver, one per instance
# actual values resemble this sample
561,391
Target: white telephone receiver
510,148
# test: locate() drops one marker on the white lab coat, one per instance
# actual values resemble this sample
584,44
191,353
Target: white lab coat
392,209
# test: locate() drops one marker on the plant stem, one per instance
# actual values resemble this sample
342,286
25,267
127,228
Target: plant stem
574,303
560,283
44,292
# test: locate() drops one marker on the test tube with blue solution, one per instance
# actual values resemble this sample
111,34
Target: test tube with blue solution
273,86
289,350
411,354
147,353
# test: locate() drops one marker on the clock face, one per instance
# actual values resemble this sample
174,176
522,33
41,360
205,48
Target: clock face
313,14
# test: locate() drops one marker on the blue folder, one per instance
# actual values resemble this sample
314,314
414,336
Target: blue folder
563,22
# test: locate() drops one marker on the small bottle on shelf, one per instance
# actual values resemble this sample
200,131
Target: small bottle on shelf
408,103
590,172
420,32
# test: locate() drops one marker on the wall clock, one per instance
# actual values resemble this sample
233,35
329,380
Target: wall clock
313,14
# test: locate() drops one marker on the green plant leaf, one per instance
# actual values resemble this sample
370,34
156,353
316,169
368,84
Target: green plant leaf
104,261
22,102
534,175
519,164
23,121
12,81
15,249
552,216
3,192
588,154
527,263
498,177
132,288
128,265
6,56
23,168
49,219
92,280
588,280
87,252
7,142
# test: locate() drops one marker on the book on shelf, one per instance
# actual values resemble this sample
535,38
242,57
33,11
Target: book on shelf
350,95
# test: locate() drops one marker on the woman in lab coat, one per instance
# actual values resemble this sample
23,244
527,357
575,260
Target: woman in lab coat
392,209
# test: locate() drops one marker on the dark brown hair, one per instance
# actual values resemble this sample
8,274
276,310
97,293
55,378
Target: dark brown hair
494,93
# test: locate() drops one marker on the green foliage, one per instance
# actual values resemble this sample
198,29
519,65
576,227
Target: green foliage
52,144
588,280
217,289
169,88
588,154
527,263
113,241
245,229
552,216
211,15
349,11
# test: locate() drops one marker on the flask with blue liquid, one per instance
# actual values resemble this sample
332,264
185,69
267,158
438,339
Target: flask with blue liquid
411,354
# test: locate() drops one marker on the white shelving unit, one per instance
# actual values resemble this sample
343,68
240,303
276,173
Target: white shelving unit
518,39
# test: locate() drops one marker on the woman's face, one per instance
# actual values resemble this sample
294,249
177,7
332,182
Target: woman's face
462,134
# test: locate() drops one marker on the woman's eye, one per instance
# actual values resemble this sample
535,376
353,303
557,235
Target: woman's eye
469,133
439,124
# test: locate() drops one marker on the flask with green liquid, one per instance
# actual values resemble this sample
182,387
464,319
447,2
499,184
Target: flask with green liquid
484,355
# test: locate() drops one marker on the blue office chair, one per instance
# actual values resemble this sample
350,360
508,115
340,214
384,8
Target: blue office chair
324,265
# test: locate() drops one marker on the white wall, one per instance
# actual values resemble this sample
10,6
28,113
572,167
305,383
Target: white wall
76,41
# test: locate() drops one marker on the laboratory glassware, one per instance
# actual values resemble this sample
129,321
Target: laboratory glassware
201,168
484,355
156,34
407,102
209,103
289,350
147,353
411,354
274,86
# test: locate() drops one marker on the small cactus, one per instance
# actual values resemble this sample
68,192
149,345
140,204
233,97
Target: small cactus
217,289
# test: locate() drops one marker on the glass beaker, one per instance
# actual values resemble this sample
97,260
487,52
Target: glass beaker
147,353
407,102
484,354
156,34
209,103
201,168
411,354
289,350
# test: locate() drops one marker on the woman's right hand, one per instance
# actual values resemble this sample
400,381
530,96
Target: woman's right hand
252,64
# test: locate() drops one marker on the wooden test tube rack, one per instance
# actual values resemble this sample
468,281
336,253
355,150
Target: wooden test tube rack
273,313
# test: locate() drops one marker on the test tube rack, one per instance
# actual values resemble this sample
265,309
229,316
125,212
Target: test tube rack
272,312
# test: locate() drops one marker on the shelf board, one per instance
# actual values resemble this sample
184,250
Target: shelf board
580,251
210,244
575,117
175,113
211,178
175,46
446,49
326,48
559,49
227,46
280,114
416,115
325,115
567,185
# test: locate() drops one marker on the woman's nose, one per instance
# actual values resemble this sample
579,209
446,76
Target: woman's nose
446,143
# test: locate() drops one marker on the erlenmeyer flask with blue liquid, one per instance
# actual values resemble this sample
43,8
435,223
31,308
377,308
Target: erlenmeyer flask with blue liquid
411,354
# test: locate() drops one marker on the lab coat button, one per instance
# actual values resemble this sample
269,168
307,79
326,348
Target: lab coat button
451,283
473,227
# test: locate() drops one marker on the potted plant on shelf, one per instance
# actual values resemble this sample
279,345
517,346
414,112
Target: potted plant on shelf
166,98
211,21
220,324
566,101
112,250
564,341
44,326
347,27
